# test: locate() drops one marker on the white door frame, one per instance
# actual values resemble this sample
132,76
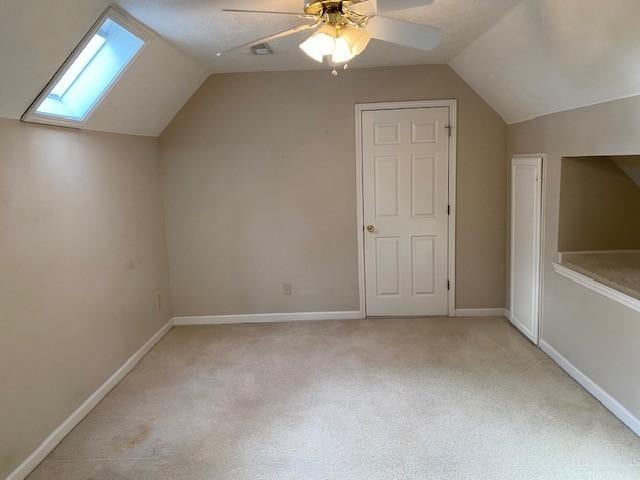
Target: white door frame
452,105
539,290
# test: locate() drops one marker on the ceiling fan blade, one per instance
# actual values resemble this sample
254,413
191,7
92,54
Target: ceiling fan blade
367,8
284,33
385,6
267,12
404,33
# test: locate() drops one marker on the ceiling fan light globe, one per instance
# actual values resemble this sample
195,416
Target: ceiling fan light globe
320,44
342,52
358,39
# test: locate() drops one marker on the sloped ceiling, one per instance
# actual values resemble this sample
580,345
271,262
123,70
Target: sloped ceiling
546,56
36,36
525,57
200,28
153,89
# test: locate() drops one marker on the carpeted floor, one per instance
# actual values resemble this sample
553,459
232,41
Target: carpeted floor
416,399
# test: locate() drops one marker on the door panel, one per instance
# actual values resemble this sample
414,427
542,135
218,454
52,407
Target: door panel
386,186
387,133
405,200
388,266
526,212
425,132
423,264
423,185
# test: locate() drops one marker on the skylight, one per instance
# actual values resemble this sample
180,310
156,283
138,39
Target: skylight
89,73
77,67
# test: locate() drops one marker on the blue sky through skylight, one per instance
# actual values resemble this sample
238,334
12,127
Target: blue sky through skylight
91,73
77,67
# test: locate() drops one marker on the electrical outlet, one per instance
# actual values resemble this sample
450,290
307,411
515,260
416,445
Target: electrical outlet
287,288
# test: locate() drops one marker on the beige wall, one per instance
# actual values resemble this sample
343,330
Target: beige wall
597,335
82,258
260,189
597,201
630,165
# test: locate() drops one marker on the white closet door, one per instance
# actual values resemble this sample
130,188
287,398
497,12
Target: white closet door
405,195
526,217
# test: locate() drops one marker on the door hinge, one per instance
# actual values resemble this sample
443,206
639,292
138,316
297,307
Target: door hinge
448,209
448,284
449,127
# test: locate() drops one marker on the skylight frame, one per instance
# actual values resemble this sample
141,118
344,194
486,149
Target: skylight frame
124,21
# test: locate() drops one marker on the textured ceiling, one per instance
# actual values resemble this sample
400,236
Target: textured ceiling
36,36
546,56
199,28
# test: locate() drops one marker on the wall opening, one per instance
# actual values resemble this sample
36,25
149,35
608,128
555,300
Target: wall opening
599,231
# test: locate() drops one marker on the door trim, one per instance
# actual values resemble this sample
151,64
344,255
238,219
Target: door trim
452,105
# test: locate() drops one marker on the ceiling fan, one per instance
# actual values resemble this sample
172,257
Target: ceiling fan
343,29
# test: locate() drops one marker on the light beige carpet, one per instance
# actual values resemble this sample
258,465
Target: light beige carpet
376,399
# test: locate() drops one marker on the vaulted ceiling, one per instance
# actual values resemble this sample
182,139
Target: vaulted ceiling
546,56
200,28
36,37
525,57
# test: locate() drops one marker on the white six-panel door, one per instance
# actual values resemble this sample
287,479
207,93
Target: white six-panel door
405,156
526,219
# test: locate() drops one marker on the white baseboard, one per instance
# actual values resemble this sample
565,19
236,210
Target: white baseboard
590,386
39,454
481,312
265,318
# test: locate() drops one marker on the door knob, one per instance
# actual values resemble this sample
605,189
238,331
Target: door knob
371,228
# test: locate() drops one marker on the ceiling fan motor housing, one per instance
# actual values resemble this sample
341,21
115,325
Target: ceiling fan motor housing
321,7
336,13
